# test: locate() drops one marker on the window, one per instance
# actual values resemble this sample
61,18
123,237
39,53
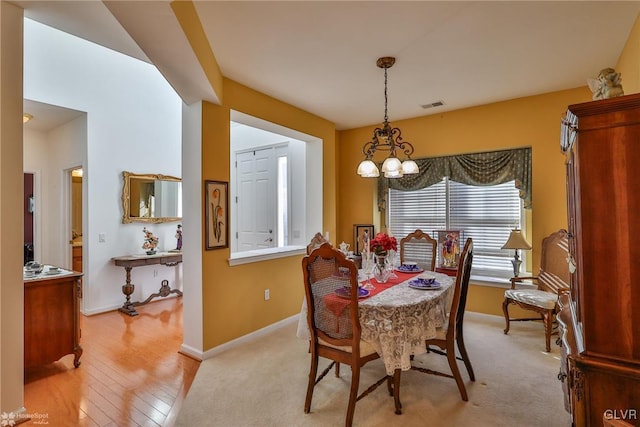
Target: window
275,190
487,214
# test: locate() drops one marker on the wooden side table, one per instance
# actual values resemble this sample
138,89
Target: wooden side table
169,259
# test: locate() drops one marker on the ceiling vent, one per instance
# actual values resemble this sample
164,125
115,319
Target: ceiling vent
433,104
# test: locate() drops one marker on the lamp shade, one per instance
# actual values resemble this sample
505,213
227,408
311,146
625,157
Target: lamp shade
392,165
393,174
516,241
409,167
368,169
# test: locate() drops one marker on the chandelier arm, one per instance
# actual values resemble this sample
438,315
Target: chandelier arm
369,149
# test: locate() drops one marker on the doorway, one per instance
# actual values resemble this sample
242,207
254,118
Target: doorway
75,217
29,224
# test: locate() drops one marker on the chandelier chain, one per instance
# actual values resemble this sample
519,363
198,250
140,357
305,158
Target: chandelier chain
386,115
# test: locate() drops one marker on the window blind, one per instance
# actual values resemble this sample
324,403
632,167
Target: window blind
487,214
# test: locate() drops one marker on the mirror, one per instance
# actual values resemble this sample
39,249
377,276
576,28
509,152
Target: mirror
151,198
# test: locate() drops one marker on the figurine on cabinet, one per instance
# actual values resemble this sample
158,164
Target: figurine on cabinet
608,84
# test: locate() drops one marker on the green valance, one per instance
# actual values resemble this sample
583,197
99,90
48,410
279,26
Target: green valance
487,168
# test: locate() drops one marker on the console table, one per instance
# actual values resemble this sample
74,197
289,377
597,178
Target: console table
169,259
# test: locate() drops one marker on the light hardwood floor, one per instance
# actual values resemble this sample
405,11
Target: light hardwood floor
130,374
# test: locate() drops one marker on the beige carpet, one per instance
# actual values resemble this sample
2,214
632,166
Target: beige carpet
264,384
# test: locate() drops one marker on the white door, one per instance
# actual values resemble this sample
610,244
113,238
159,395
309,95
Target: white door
256,199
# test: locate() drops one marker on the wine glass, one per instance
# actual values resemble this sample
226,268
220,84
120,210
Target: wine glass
391,262
368,268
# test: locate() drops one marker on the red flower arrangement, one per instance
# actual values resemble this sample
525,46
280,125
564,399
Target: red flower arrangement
383,243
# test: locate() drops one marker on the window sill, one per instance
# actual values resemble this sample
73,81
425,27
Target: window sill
249,257
498,282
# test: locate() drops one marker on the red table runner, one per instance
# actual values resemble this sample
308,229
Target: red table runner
338,304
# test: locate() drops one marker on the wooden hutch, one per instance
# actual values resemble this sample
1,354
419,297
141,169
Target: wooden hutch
600,317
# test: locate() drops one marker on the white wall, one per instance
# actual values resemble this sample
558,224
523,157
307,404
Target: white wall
47,155
133,123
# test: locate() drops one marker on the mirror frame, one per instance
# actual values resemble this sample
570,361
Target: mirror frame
126,193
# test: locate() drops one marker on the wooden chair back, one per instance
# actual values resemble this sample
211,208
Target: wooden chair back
554,269
316,242
420,248
332,318
459,302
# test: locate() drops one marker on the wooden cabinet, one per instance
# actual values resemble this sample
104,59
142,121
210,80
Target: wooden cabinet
52,319
601,315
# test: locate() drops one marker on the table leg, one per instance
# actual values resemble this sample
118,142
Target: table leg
164,291
127,290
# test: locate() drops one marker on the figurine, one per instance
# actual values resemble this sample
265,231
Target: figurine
150,241
608,84
179,237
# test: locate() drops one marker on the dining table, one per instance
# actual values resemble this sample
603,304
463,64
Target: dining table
396,317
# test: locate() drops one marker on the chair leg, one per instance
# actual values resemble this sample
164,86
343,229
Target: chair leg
451,357
312,382
505,310
396,391
337,369
353,395
463,353
547,318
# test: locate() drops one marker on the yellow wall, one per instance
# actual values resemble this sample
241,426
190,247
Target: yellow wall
233,297
233,303
524,122
629,62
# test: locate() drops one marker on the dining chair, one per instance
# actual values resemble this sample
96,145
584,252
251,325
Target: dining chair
334,327
420,248
316,242
552,277
450,335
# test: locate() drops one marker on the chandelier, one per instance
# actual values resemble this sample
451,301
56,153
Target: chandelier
389,139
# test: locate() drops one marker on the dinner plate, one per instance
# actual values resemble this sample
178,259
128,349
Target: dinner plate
424,284
51,273
346,292
404,269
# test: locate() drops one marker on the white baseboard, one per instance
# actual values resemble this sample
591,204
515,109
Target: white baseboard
194,353
249,337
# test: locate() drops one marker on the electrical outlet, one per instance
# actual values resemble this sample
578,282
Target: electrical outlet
155,273
266,295
102,237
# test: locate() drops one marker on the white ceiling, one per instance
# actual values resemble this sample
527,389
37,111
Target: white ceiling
46,116
320,55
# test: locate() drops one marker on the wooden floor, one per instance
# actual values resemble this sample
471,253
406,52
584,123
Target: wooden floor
130,374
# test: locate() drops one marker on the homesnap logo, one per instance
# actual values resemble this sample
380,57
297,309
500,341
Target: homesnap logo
11,419
7,419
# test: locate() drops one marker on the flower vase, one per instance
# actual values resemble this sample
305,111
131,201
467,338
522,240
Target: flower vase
381,272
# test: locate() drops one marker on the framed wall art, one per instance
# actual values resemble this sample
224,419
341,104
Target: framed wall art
216,198
449,248
359,231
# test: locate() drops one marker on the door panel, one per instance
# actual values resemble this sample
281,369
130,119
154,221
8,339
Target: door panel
256,199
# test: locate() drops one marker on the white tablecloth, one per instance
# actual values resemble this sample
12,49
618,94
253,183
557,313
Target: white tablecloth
398,320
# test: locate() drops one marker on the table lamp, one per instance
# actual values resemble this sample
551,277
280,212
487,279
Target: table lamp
516,241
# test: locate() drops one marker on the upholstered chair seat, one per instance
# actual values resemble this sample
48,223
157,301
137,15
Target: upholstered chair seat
533,297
